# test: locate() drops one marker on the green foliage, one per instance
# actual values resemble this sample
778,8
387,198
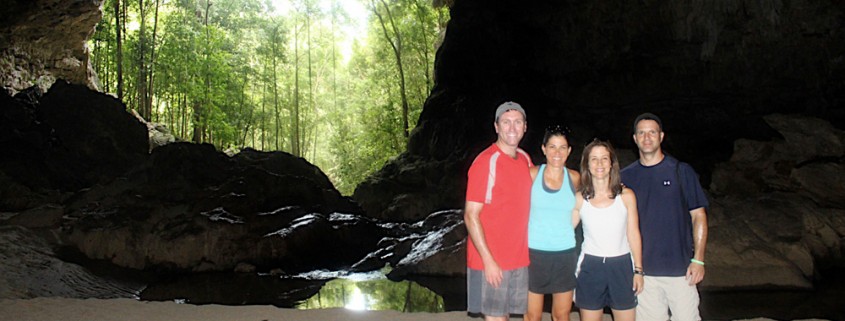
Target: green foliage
380,294
246,73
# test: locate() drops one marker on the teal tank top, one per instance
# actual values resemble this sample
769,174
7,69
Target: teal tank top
550,222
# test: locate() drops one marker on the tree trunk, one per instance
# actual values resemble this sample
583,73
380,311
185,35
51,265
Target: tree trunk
119,50
295,132
244,123
263,118
425,52
196,119
397,52
311,108
141,87
107,68
276,110
334,56
149,101
200,111
407,307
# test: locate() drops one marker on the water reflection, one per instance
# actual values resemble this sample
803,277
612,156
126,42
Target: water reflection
232,289
373,291
313,290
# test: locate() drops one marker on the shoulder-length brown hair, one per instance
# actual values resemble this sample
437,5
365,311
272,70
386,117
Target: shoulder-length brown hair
587,189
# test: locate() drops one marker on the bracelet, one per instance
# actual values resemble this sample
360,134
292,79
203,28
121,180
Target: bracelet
696,261
639,272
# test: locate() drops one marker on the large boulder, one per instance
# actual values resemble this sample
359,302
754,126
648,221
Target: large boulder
778,212
428,186
192,208
758,242
62,141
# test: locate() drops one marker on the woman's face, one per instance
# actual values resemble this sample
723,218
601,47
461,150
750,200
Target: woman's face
600,163
556,150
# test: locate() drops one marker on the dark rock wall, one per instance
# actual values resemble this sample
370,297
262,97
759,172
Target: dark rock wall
711,69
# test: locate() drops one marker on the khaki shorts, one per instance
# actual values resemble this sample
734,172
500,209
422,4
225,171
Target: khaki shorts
511,297
664,293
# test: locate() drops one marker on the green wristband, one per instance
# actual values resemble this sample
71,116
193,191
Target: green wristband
696,261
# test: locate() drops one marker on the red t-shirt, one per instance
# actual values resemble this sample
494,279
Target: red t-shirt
505,192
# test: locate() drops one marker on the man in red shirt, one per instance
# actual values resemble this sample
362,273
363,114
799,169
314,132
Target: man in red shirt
496,217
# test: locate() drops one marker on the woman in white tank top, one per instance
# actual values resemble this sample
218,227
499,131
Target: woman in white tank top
610,268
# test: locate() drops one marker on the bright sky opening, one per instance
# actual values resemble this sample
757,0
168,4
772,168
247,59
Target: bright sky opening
356,29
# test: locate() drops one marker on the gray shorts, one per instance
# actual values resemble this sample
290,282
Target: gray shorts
511,297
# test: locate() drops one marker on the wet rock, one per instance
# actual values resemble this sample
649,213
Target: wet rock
435,246
30,269
45,216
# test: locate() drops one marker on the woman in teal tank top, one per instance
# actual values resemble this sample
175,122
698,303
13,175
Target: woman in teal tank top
551,237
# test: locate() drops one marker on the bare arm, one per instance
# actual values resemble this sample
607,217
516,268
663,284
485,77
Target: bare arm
472,219
695,272
576,211
575,177
634,238
533,170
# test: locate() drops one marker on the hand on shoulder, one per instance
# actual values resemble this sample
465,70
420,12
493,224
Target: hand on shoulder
533,170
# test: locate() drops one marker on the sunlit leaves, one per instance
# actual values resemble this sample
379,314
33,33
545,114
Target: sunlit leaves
228,69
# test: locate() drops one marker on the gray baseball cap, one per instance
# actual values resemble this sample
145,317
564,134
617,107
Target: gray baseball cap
509,105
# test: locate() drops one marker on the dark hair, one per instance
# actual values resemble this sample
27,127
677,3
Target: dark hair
557,130
647,116
587,189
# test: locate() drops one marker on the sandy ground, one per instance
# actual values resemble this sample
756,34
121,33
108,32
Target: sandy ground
47,309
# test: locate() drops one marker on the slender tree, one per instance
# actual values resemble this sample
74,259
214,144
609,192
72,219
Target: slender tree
141,86
396,44
150,88
425,46
295,137
119,51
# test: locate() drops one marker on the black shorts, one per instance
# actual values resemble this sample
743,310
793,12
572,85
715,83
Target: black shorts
551,271
606,281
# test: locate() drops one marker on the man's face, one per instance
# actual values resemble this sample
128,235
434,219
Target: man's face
648,136
511,126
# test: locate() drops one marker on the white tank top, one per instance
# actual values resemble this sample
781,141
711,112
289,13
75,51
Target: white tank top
605,229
